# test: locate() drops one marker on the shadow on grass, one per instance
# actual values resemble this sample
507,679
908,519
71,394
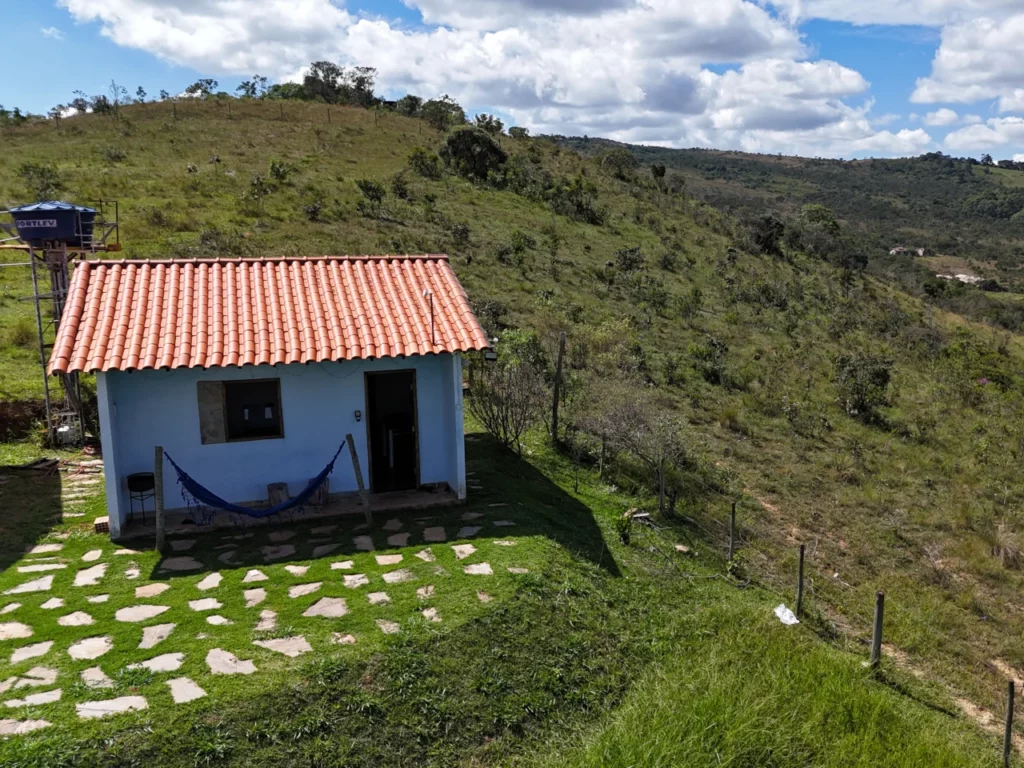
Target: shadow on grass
502,489
30,501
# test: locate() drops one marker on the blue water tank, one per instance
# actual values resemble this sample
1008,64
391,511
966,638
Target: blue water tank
54,220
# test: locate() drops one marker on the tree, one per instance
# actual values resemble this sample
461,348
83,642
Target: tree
374,192
334,84
202,88
986,159
766,234
164,95
490,124
42,180
443,113
140,95
508,398
472,153
658,170
517,132
426,163
409,105
620,162
246,89
815,214
862,380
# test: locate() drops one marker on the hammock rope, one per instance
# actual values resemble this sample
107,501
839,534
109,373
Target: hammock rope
200,499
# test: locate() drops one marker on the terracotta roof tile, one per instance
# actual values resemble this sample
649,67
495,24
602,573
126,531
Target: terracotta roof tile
127,315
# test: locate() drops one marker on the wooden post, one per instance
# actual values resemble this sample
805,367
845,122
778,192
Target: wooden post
1008,734
876,635
281,105
557,389
661,486
363,495
158,495
328,115
732,532
174,109
800,585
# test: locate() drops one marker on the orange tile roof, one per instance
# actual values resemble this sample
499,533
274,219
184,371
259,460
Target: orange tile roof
125,315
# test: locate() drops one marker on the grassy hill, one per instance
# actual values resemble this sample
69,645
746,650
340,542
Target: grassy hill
882,431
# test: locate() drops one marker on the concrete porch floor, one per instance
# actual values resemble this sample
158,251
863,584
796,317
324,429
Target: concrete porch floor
178,521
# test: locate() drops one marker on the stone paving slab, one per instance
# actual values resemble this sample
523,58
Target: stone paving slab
328,607
363,543
90,577
184,690
341,639
183,563
355,580
388,627
35,699
206,604
399,576
76,619
289,646
378,598
431,614
267,622
97,599
182,545
42,549
42,567
388,559
219,621
281,536
505,543
132,573
92,709
425,555
344,565
398,540
254,597
155,634
434,535
468,531
19,727
94,677
151,590
168,662
210,582
278,552
137,613
325,549
42,584
222,662
90,648
254,575
297,570
425,593
478,569
10,607
14,630
394,524
33,651
462,551
304,589
92,555
518,571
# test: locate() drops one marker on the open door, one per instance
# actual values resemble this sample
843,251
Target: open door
391,428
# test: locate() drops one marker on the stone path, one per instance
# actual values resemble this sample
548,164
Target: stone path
267,622
15,630
35,699
31,651
425,555
344,565
304,589
297,570
92,555
218,621
289,646
34,678
155,634
206,604
210,582
42,584
168,662
42,549
184,690
254,597
388,559
254,575
94,677
184,563
398,540
97,599
355,580
434,535
377,598
76,619
399,576
363,543
151,590
462,551
136,613
49,605
15,606
93,709
222,662
468,531
329,607
478,569
42,567
19,727
90,577
90,648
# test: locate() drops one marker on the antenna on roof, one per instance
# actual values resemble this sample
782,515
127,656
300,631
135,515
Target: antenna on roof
429,296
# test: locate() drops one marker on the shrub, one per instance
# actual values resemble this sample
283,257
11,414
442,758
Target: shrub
862,380
114,154
400,186
630,259
22,334
42,180
709,358
460,233
658,170
426,163
507,398
373,197
280,170
472,153
765,233
516,132
620,162
577,199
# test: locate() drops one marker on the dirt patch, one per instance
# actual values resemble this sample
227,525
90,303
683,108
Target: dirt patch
19,418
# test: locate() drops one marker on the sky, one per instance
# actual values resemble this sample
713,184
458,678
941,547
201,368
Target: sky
828,78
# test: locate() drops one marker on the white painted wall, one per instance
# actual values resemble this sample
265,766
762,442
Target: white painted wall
142,409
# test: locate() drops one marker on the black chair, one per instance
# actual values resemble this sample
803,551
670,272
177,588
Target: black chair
141,486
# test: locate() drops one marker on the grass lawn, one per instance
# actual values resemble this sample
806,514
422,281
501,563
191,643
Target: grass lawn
520,667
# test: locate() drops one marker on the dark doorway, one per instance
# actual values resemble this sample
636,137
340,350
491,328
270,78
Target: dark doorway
391,427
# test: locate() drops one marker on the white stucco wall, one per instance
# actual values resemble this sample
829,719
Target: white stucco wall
143,409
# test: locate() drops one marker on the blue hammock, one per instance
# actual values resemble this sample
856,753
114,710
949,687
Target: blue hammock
196,495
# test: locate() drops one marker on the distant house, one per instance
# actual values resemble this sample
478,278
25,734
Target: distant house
252,371
899,249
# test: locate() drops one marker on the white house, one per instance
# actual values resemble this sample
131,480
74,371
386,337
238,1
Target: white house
252,371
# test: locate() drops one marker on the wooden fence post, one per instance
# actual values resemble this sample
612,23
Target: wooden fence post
800,585
732,532
876,635
158,495
363,495
1008,734
557,388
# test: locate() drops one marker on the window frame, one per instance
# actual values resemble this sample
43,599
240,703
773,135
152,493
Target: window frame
280,410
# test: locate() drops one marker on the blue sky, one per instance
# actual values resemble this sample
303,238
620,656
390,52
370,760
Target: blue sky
813,77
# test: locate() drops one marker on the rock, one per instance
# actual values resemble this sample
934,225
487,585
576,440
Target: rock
363,543
434,535
136,613
426,555
425,593
505,543
278,552
221,662
151,590
36,677
254,597
36,699
31,651
15,606
430,614
210,582
289,646
355,580
341,639
15,630
218,621
184,690
53,602
42,549
328,607
483,597
389,559
168,662
76,619
90,648
280,536
94,677
155,634
378,598
462,551
41,567
398,540
42,584
324,549
206,604
397,577
254,575
304,589
267,622
518,571
344,565
19,727
394,524
297,570
97,599
388,627
478,569
183,563
132,573
92,555
467,531
93,709
182,545
90,577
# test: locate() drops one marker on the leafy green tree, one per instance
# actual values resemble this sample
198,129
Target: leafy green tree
766,234
620,162
443,113
658,170
862,380
472,153
42,180
409,105
489,124
426,163
518,132
374,192
203,88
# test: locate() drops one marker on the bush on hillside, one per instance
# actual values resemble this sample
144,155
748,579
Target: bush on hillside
472,153
576,198
508,398
620,162
374,192
443,113
765,234
862,380
426,163
42,180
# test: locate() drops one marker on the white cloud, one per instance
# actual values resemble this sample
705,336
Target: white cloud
52,32
997,132
972,119
911,12
1019,158
942,116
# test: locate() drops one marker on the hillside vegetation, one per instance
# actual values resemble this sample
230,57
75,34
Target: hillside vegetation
882,432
